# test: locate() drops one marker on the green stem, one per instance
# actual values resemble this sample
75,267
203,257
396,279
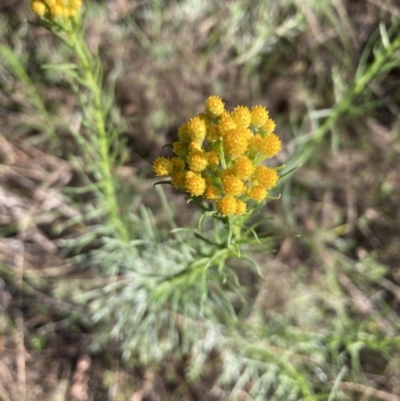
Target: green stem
87,66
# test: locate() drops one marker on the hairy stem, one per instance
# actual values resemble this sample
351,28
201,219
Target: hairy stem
97,114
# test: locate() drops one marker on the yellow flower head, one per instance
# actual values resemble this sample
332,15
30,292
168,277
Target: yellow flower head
219,154
255,144
226,205
184,134
179,148
211,192
56,8
38,8
243,167
179,180
197,129
240,207
235,143
226,123
213,159
195,183
232,185
242,116
270,145
268,127
197,160
162,167
177,164
213,133
257,193
214,106
259,116
224,173
266,177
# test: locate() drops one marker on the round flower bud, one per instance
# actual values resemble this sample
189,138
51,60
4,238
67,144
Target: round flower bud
197,160
226,205
213,133
242,116
179,148
214,106
213,159
243,167
259,116
177,164
270,145
56,11
162,167
257,193
76,3
195,183
268,127
232,185
38,8
266,177
184,134
240,207
197,129
235,143
178,180
211,192
255,144
225,173
226,124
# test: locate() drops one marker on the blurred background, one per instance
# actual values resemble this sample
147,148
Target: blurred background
327,71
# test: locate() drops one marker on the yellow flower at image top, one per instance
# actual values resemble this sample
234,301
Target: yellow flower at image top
54,9
219,155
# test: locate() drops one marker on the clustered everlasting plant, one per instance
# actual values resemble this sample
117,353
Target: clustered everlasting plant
219,156
56,8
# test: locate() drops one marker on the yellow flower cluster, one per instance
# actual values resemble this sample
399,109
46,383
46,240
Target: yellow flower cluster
218,156
56,8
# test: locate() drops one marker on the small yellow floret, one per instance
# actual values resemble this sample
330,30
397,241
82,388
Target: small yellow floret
178,180
226,205
235,143
184,134
179,148
38,8
197,160
266,177
226,124
213,133
50,3
56,11
211,192
232,185
214,106
197,129
225,173
270,145
242,116
257,193
162,167
240,207
177,164
243,167
259,116
75,3
268,127
213,159
195,183
255,144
